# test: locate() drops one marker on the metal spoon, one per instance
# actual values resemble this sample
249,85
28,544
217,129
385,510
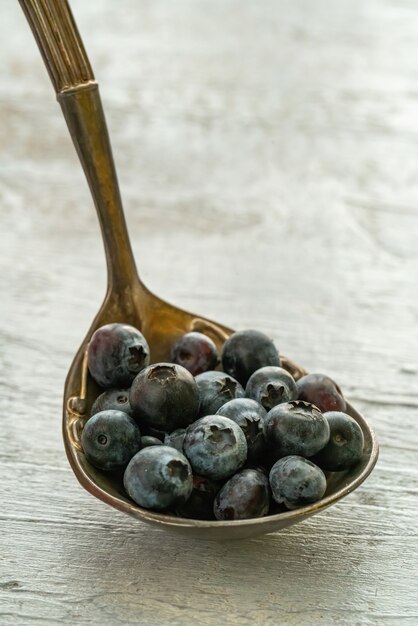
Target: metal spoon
127,299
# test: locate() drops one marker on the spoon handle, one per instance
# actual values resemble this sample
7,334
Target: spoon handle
77,92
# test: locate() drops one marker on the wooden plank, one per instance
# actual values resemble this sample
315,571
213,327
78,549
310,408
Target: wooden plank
267,157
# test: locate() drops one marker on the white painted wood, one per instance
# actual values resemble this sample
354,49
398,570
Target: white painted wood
268,160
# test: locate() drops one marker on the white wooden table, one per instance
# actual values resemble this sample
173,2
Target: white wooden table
268,158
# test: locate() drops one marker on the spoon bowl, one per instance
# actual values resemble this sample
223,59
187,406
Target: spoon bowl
108,487
128,300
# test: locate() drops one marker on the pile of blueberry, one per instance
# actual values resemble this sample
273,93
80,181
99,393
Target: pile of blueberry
202,443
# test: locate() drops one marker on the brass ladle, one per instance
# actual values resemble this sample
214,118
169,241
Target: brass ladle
127,299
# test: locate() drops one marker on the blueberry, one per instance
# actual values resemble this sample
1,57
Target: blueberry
248,414
115,399
295,481
158,477
165,396
245,495
271,386
321,391
295,428
147,441
196,352
215,446
215,389
116,353
245,352
175,439
345,445
110,439
200,503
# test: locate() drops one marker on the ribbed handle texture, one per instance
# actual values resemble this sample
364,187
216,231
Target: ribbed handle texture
60,44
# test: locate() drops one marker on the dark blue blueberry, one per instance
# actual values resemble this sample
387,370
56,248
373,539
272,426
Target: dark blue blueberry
271,386
295,428
215,389
115,399
345,445
147,441
200,503
244,496
165,396
158,477
248,414
110,439
215,446
321,391
175,439
196,352
116,353
245,352
295,482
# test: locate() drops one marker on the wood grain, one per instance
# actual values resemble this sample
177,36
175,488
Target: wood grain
267,158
